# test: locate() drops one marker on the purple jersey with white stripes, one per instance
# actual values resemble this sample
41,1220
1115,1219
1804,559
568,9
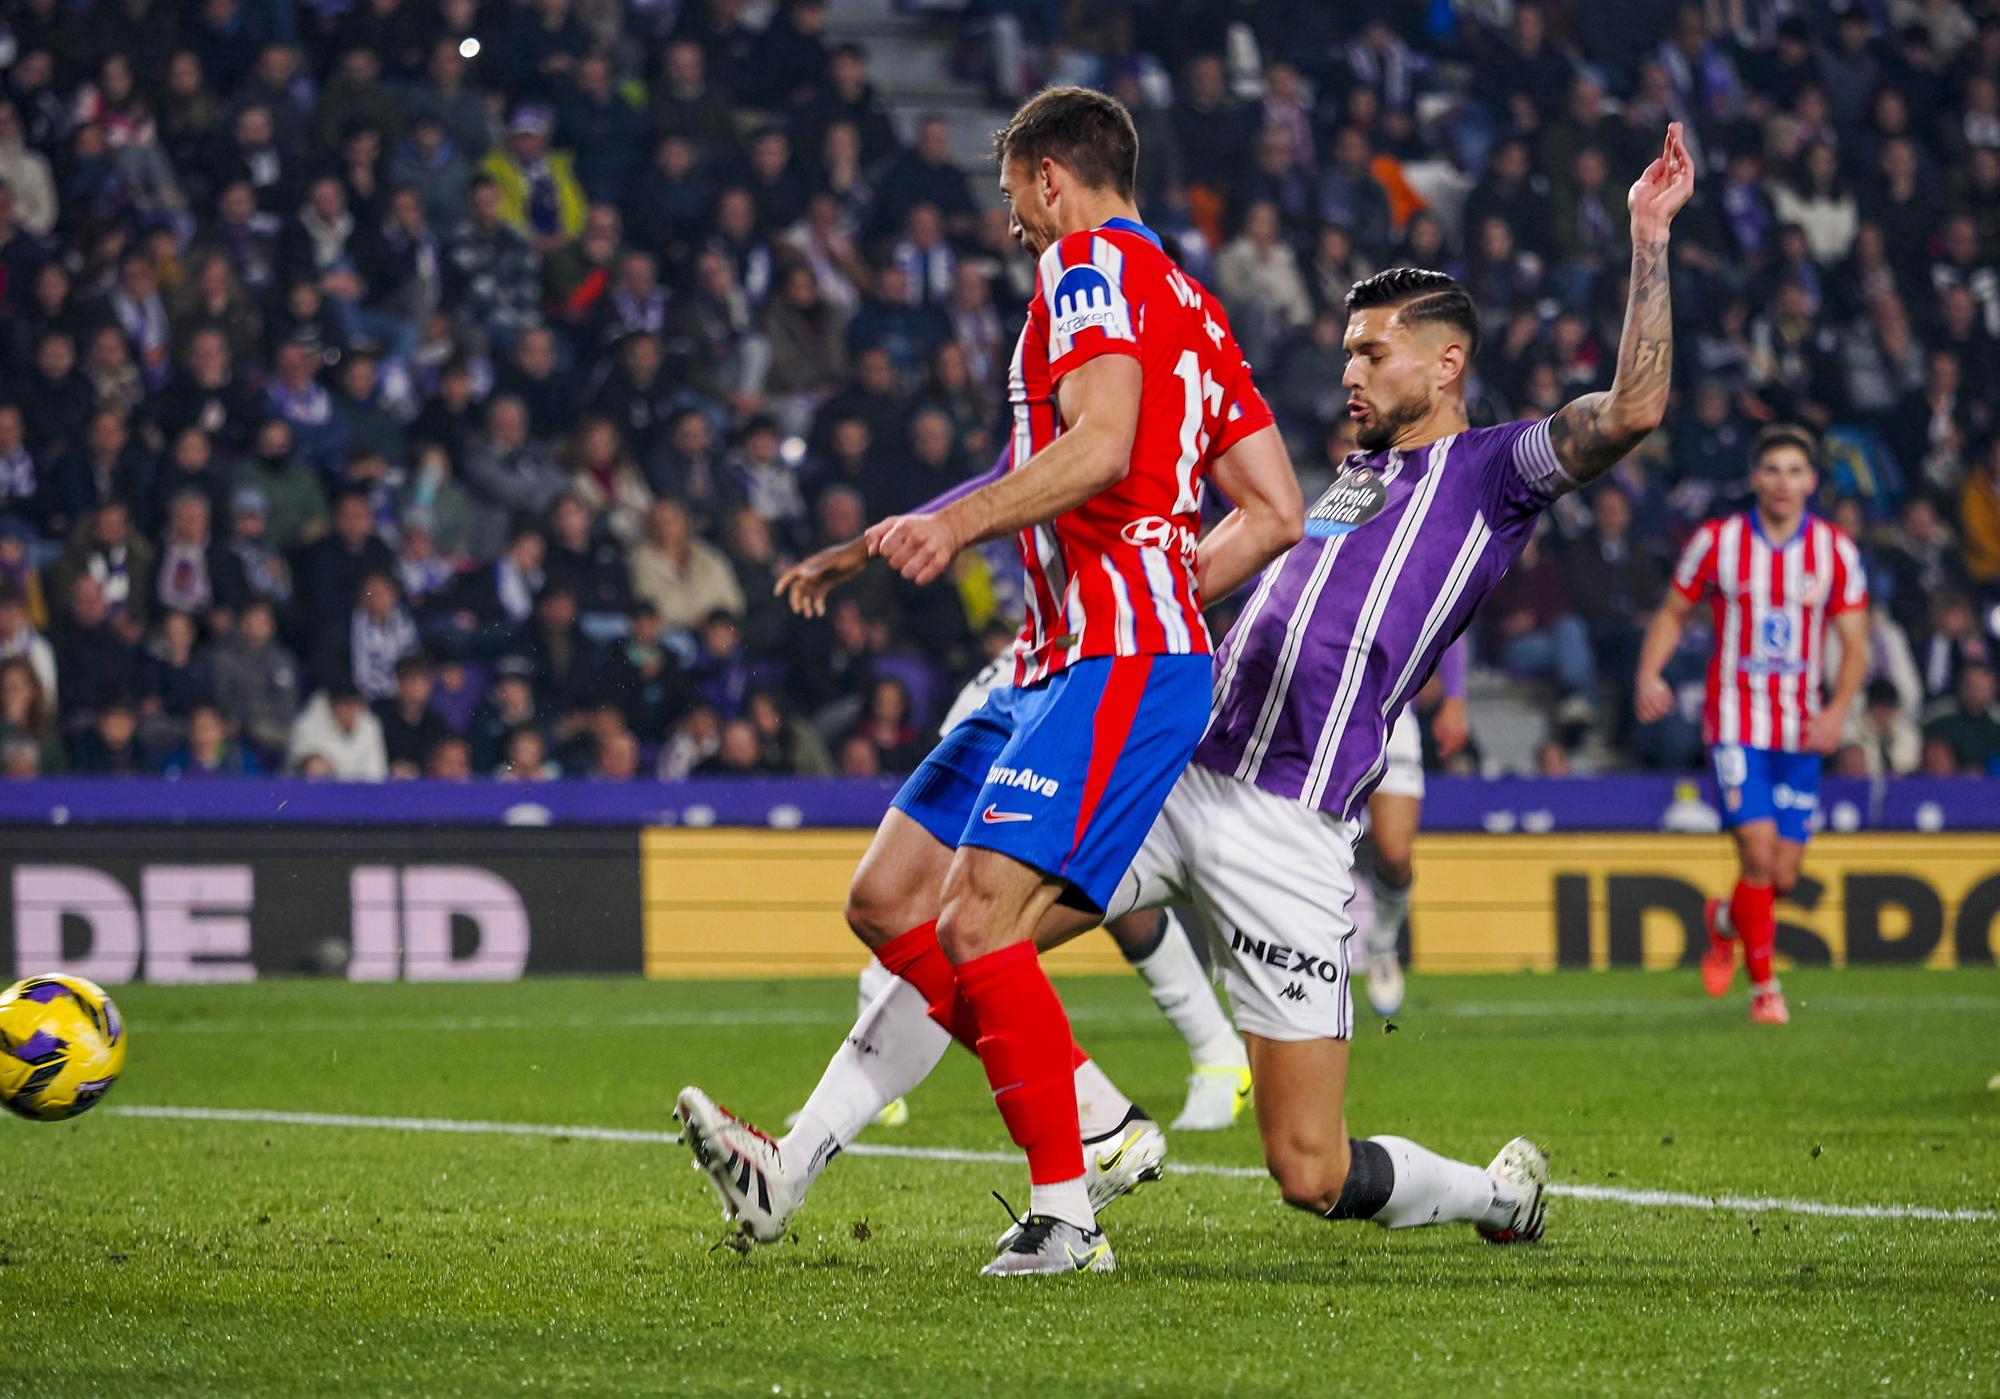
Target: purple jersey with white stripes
1347,625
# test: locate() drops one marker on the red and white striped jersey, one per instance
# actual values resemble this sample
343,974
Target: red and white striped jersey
1771,606
1116,575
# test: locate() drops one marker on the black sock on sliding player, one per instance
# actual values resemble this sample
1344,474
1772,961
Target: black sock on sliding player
1371,1179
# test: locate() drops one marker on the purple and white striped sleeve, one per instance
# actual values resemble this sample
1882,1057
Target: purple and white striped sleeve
1535,461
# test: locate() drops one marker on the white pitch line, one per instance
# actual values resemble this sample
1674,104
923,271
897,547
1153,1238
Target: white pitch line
1606,1194
1463,1010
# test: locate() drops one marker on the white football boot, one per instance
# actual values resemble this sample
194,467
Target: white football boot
1114,1165
1385,982
757,1189
1040,1244
1124,1159
1522,1169
1216,1097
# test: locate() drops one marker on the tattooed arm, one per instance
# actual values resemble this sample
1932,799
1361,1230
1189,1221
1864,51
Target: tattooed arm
1591,433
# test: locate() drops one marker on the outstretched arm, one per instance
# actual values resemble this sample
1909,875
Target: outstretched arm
806,583
1268,519
1099,401
1652,697
1591,433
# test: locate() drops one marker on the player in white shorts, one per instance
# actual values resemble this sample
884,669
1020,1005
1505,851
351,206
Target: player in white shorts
1393,814
1161,951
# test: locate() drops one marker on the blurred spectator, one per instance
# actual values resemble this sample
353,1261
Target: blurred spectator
694,741
20,640
589,564
28,714
1616,586
97,659
685,579
645,679
721,670
1889,742
379,633
886,723
526,757
109,747
411,729
566,662
256,680
1979,519
509,705
1258,279
1968,724
336,729
450,761
538,190
1531,629
1955,640
208,751
508,473
606,481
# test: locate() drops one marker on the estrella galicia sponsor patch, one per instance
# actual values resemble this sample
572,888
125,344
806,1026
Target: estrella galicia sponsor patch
1349,503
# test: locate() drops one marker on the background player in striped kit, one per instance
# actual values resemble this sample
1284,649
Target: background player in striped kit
1774,576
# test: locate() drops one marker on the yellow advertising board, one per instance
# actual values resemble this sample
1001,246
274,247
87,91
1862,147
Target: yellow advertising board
763,903
1515,902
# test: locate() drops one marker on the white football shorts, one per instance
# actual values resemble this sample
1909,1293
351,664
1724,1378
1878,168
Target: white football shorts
994,675
1403,772
1272,878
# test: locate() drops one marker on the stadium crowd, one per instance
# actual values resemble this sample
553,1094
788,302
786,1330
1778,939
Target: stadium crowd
393,388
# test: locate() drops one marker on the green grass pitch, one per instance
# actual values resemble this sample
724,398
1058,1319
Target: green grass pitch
154,1255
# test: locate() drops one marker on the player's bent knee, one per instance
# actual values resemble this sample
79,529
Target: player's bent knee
964,927
1308,1180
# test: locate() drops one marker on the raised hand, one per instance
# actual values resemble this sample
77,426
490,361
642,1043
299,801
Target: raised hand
1665,187
806,583
920,547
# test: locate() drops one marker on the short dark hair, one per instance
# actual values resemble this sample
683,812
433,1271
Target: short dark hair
1090,132
1420,294
1785,435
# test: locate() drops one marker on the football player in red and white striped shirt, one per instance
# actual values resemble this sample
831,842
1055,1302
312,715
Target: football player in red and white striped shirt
1775,577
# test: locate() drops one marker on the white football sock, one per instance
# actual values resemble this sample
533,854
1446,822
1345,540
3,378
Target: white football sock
1184,994
1066,1200
1392,906
874,979
891,1049
1432,1189
1100,1107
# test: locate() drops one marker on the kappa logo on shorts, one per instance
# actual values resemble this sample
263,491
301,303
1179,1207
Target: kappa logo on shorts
1285,959
1293,992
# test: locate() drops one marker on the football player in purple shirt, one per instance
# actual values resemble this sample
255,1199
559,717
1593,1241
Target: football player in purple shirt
1340,633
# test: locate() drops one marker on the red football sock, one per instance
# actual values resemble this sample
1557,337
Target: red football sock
1753,909
1029,1057
916,957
